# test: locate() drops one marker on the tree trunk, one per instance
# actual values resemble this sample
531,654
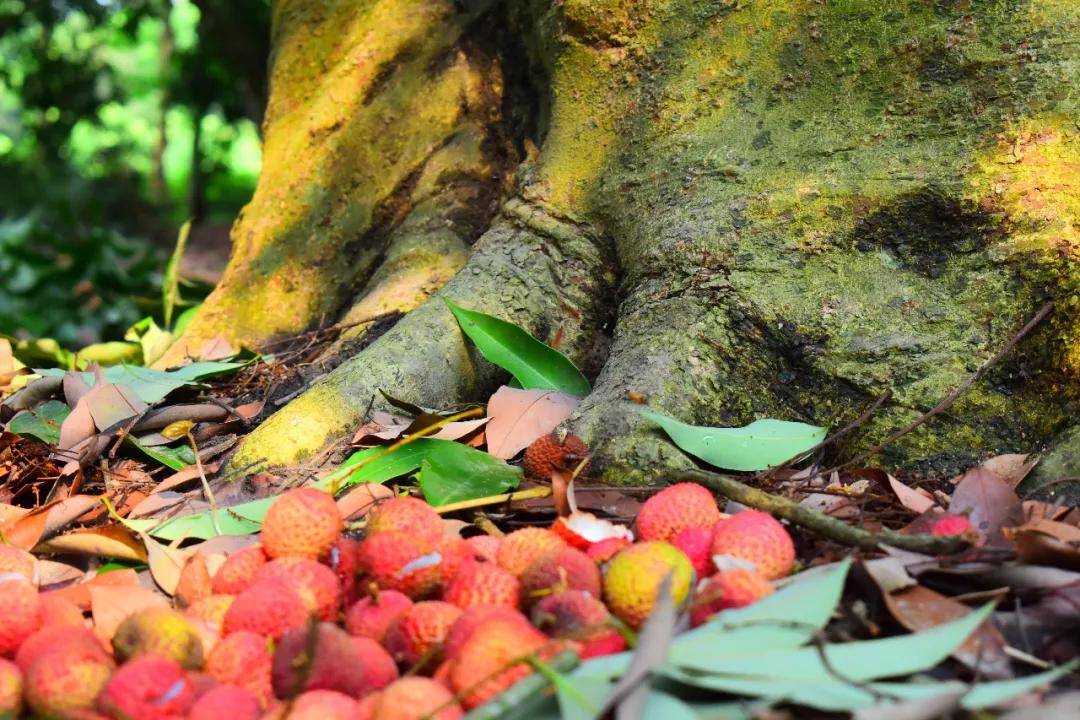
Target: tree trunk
781,209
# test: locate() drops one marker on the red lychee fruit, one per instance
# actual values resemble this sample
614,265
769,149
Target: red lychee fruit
601,552
494,658
56,637
147,688
483,583
211,611
474,618
419,633
343,561
522,548
633,578
403,563
366,706
317,705
11,688
583,530
269,608
727,589
696,543
370,616
243,659
676,508
548,454
20,609
758,538
317,584
304,522
225,701
408,516
485,546
66,681
414,698
56,610
578,616
238,571
159,631
18,561
325,657
566,569
951,525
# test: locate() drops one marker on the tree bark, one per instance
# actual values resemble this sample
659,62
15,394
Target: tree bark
782,209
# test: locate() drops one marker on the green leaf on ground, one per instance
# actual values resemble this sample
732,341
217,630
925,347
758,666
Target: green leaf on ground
760,445
150,338
43,422
177,458
452,472
153,385
988,694
531,362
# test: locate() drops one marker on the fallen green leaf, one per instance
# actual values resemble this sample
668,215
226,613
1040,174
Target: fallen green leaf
153,385
452,472
42,422
177,458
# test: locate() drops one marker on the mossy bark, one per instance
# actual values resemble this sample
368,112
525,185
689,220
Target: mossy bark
787,208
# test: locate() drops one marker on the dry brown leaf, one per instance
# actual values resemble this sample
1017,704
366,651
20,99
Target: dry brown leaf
359,501
191,472
914,499
520,416
111,541
216,348
1012,468
165,563
80,592
989,503
560,492
25,532
1036,547
838,507
374,434
77,428
52,573
110,404
110,604
67,511
75,387
1039,510
194,581
9,514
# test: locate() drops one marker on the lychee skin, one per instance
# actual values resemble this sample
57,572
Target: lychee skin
579,616
483,583
63,682
485,664
270,608
727,589
211,611
522,548
633,578
675,508
18,561
304,522
325,657
403,563
11,688
238,571
601,552
371,616
419,633
367,706
567,569
318,585
343,561
243,659
409,516
951,525
756,537
56,610
485,546
696,542
413,698
20,609
317,705
476,617
159,631
56,638
546,455
229,702
147,688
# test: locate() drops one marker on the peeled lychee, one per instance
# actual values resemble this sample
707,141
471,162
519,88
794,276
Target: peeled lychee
243,659
16,560
756,537
304,522
566,569
159,631
147,688
11,688
633,578
370,616
584,530
676,508
402,562
318,585
548,454
493,659
578,616
418,634
696,542
225,702
59,684
483,583
522,548
325,657
317,705
409,516
270,608
238,571
20,612
416,698
733,588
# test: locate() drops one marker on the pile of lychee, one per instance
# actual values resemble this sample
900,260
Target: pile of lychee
410,621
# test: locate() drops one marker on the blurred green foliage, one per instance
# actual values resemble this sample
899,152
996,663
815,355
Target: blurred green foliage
118,121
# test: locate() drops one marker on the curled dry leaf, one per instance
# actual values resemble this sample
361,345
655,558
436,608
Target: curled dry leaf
194,581
166,563
989,503
109,404
111,541
520,416
1045,543
180,477
359,501
52,574
1012,468
80,592
914,499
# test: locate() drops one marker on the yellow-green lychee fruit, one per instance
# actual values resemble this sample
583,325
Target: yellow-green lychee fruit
159,631
632,579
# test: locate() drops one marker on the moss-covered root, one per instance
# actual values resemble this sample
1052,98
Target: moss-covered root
1054,479
546,274
364,95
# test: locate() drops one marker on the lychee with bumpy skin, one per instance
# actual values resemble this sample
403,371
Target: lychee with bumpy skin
601,552
633,578
56,638
318,585
343,561
578,616
16,560
304,522
409,516
482,583
317,705
676,508
238,571
403,563
225,701
243,659
696,542
147,688
20,609
159,631
474,618
725,590
58,684
366,706
549,453
566,569
419,633
270,608
211,611
370,616
951,525
325,657
56,610
485,546
11,687
522,548
493,659
414,698
756,537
